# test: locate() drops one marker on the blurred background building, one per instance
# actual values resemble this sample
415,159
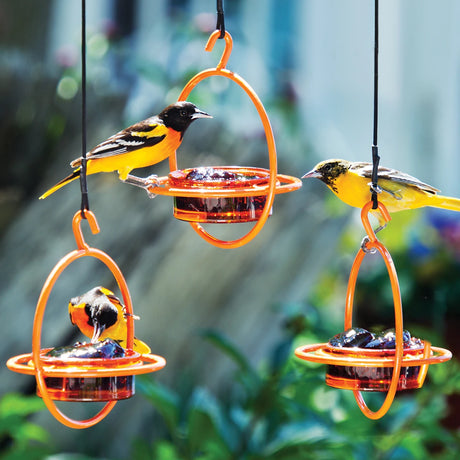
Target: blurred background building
321,52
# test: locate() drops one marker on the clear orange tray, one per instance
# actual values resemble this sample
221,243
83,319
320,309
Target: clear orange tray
372,370
88,379
221,209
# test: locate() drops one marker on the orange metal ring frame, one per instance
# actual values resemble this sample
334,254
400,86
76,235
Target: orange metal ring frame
83,250
322,353
220,70
373,243
284,184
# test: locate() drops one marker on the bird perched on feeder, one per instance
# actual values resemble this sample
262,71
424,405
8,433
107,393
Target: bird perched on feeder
398,191
99,314
142,144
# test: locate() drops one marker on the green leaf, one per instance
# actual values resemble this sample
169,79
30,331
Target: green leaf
164,400
142,449
206,426
298,434
67,456
223,344
26,453
15,404
164,450
31,432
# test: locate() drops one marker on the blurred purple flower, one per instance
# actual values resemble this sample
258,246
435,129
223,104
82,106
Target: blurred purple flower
417,249
447,224
67,56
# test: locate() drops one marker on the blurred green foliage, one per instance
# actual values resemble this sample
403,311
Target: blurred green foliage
283,410
280,409
425,248
19,437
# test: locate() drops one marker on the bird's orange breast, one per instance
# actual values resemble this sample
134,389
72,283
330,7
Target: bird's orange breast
79,317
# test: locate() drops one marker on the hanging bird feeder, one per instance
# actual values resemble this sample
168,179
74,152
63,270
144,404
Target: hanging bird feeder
356,359
106,379
220,209
224,194
359,368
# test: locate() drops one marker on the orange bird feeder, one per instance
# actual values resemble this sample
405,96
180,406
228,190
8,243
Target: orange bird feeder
84,379
225,194
357,368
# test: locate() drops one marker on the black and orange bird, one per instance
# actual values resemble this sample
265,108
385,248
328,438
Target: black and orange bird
398,191
99,314
142,144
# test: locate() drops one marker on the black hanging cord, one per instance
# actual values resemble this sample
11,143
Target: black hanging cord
220,18
375,149
83,183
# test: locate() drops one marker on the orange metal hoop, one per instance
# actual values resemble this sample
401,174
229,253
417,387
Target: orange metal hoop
18,363
373,243
220,70
324,353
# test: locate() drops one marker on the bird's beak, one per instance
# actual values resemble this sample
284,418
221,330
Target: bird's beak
312,173
98,330
200,114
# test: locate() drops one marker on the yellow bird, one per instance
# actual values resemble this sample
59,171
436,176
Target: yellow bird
99,314
142,144
398,191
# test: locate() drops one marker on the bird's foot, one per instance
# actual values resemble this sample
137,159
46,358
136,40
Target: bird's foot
143,182
151,180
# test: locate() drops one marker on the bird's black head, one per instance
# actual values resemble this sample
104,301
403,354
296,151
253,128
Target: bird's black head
178,116
328,171
102,313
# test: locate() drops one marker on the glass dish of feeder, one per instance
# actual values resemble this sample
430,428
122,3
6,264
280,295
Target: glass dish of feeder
88,372
362,344
88,379
85,358
370,378
225,196
359,368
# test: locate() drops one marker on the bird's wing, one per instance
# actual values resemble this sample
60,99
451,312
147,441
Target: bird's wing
116,301
146,133
365,170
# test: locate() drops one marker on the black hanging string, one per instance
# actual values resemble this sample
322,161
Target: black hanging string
220,18
375,150
83,183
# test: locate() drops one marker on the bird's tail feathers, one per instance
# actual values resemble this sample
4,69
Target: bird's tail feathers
141,347
60,184
138,345
447,202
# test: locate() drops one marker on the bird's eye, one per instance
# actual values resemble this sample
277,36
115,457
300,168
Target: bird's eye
183,113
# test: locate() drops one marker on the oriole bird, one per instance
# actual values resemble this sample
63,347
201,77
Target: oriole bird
398,191
142,144
99,314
